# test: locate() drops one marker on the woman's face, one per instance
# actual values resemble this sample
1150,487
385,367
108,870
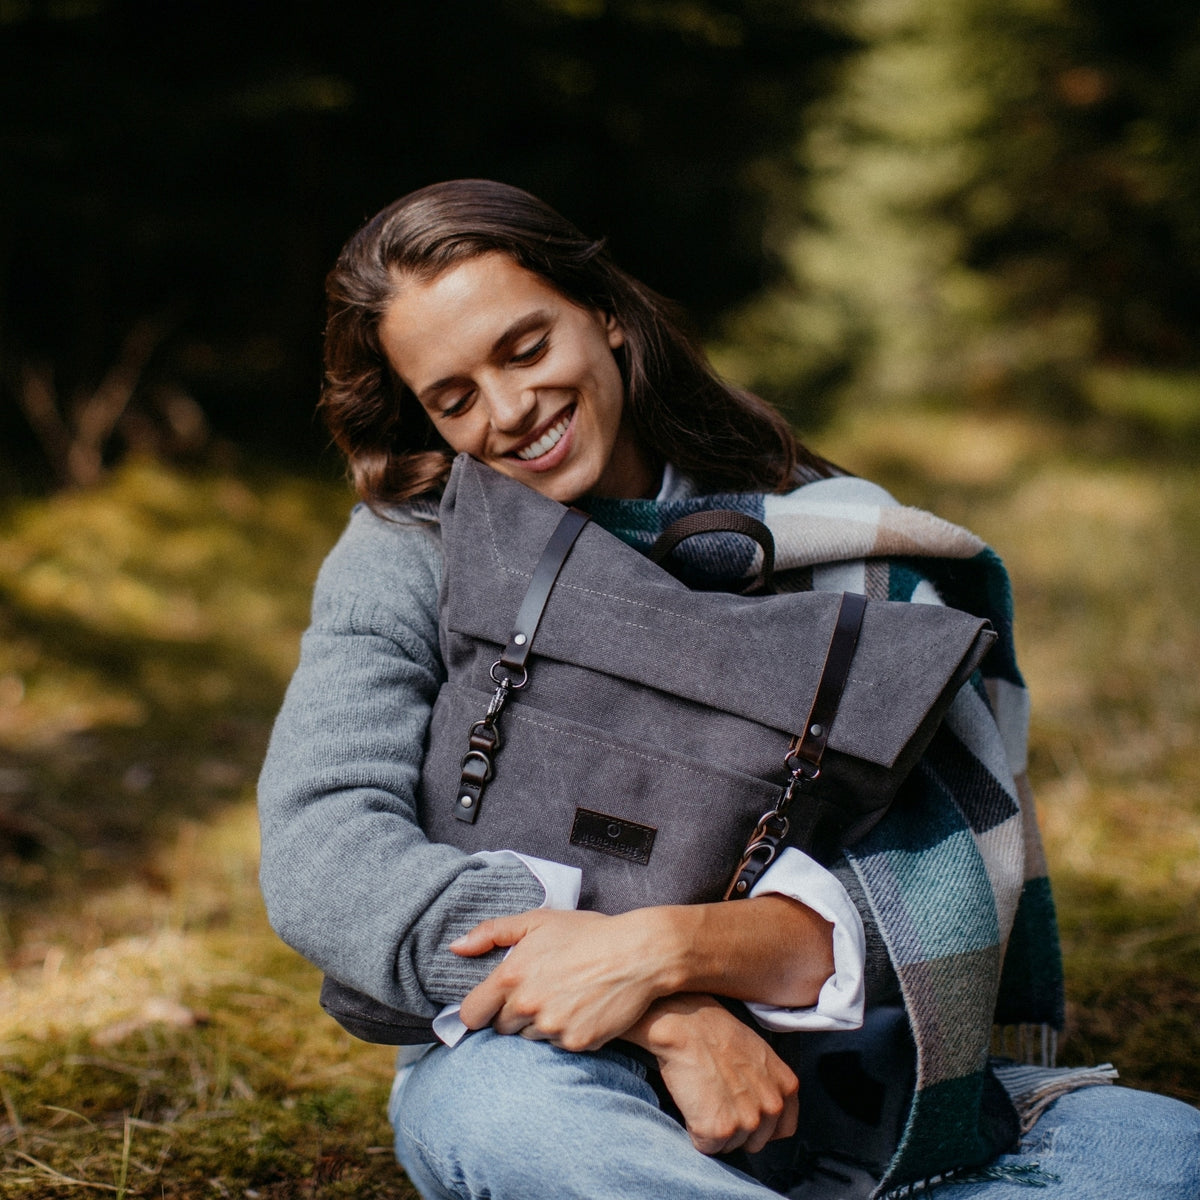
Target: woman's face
520,378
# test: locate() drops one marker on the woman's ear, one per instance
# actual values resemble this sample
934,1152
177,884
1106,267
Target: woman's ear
614,330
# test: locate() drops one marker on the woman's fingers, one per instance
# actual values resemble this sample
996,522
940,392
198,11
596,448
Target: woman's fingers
781,1126
748,1121
581,978
482,1004
487,935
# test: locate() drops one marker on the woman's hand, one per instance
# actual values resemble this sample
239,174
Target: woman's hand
577,979
732,1089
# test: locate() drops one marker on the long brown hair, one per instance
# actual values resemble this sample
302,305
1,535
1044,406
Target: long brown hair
724,438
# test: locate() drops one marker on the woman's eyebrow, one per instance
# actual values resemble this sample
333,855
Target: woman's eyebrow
517,330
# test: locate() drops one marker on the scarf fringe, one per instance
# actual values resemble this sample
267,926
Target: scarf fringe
1034,1045
1021,1174
1033,1089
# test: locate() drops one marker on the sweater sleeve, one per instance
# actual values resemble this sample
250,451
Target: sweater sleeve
349,879
879,976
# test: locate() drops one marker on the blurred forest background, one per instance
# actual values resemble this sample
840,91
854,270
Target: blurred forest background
957,241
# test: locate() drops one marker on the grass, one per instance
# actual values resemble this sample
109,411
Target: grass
157,1040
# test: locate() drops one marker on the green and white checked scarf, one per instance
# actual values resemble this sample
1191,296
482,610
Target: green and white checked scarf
955,874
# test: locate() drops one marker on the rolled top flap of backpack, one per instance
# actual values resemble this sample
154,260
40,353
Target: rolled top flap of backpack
614,611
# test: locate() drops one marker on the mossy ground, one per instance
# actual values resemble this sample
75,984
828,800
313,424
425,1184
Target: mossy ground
156,1039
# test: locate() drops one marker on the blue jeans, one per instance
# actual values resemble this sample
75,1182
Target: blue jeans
510,1119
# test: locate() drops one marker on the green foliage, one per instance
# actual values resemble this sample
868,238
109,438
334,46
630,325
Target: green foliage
982,202
1001,196
1162,405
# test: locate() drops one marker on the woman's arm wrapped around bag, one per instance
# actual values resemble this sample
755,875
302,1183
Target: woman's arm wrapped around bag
649,976
579,979
349,879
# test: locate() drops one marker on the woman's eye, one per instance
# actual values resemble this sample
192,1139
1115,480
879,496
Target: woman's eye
456,405
534,351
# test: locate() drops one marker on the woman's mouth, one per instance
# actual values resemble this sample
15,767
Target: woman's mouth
547,440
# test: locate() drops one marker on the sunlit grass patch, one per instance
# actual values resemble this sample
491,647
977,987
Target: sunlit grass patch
146,632
1134,962
164,562
163,1042
155,1037
328,1143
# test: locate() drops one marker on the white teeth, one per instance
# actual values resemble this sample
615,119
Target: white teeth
547,441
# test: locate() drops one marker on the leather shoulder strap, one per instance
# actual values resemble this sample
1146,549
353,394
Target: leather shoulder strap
809,746
541,584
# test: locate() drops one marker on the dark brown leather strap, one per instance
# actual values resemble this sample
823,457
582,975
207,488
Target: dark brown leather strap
541,584
509,672
804,756
808,746
719,520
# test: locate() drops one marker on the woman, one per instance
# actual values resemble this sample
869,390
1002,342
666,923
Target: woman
470,317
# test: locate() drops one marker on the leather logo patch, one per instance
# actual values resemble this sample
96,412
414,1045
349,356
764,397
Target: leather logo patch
612,835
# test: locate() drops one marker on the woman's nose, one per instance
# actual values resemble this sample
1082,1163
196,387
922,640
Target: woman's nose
512,408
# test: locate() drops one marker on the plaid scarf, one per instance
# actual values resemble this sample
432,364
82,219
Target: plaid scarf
955,874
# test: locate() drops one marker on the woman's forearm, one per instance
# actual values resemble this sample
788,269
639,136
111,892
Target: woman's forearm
770,949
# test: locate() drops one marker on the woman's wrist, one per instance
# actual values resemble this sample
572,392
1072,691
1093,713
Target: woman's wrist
661,940
670,1021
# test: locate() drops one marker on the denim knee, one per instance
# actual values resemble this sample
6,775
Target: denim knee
486,1105
487,1075
503,1118
1106,1141
1159,1136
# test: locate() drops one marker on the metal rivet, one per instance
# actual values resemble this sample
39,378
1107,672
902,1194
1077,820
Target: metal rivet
816,730
614,830
520,639
741,887
465,801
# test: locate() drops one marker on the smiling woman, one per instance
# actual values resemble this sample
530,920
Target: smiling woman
470,317
513,373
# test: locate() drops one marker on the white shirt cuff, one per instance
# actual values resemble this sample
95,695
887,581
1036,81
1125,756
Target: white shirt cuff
842,998
561,884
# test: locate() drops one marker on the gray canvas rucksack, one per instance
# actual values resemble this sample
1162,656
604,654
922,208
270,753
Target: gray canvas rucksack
654,726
